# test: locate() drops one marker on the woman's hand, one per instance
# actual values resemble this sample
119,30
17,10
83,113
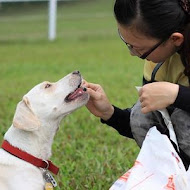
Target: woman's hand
157,95
98,103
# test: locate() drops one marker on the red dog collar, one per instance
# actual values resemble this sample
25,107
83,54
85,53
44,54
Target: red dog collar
46,164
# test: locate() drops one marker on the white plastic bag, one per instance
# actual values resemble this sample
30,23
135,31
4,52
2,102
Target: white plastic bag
158,167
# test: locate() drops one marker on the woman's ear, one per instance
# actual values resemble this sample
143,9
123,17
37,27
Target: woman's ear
177,39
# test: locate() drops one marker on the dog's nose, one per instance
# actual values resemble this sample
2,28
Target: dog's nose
76,73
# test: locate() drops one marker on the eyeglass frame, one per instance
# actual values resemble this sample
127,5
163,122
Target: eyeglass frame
144,55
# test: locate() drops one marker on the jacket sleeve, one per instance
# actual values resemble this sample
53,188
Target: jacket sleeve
183,99
120,121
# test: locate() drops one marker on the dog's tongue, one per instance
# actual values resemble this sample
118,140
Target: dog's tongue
78,92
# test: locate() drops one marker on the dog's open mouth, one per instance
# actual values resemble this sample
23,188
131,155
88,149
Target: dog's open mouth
77,93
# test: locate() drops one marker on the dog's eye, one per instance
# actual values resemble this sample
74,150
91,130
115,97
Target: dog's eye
47,85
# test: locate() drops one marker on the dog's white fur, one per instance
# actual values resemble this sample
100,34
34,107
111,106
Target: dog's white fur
35,123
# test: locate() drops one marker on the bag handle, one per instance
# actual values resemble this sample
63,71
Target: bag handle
167,121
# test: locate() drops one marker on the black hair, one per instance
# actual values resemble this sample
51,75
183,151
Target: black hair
157,19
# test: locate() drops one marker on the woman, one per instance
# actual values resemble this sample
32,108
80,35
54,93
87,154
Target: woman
158,31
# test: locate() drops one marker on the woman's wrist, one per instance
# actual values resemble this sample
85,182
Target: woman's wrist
107,115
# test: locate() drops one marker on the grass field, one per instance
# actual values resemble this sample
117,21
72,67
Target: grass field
90,155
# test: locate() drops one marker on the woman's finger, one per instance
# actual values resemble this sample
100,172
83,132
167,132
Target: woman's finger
141,99
92,85
145,110
93,94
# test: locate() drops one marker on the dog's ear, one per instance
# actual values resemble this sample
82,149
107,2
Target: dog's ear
24,117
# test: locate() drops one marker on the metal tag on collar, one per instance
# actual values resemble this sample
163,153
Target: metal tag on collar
49,178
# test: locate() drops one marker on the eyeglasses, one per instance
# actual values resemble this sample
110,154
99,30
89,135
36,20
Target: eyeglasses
134,51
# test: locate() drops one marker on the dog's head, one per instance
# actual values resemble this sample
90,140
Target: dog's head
50,102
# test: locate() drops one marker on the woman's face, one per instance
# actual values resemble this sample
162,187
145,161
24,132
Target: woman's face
142,44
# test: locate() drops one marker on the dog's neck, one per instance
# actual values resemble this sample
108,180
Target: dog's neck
37,143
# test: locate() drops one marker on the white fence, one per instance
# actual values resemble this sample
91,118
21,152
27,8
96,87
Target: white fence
14,1
52,14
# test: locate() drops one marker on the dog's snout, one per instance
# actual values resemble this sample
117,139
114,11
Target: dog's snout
76,73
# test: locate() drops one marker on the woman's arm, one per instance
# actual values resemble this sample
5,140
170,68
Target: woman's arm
183,98
120,121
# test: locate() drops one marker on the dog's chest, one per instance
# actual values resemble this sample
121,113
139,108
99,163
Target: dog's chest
17,174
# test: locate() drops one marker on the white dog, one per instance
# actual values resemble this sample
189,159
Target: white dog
35,123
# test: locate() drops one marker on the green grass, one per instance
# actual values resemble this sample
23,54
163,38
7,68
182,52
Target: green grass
90,155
